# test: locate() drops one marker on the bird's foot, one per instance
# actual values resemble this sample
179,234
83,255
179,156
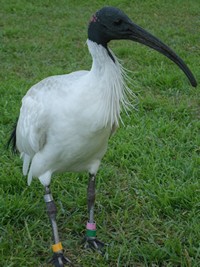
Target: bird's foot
94,244
90,240
59,260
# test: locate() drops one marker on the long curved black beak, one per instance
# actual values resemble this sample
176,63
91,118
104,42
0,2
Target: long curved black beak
138,34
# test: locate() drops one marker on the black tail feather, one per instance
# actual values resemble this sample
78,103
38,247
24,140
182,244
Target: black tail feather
12,140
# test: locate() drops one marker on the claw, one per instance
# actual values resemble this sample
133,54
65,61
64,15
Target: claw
59,260
94,244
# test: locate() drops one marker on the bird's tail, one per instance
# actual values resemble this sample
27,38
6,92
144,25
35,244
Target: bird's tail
12,140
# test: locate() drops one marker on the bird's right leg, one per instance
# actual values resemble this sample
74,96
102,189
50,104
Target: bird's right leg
59,259
90,239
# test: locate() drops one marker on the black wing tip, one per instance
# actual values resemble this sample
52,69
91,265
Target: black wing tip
12,140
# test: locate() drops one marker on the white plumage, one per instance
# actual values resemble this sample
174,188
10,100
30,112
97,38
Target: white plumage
66,120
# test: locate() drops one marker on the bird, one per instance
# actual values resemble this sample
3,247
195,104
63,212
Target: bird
65,121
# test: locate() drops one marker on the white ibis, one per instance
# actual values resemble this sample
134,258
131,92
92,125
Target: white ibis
65,121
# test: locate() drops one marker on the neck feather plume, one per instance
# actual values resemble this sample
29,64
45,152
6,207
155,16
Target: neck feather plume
112,79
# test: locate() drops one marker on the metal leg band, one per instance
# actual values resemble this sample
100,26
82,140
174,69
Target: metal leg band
48,198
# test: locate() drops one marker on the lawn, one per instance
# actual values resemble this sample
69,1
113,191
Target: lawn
148,187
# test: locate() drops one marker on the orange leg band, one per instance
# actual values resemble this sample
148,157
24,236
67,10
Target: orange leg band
57,247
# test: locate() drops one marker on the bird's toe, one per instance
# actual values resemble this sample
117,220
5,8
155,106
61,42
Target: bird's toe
59,260
94,244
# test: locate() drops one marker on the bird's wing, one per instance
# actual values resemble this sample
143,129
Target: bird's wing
31,126
34,119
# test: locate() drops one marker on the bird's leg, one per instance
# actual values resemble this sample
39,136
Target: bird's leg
90,238
58,258
91,197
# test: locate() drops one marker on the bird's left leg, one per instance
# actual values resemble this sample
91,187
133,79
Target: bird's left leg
90,239
59,259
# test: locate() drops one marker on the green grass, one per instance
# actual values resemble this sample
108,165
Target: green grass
148,188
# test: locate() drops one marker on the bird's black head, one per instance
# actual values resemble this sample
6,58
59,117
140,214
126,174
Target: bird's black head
108,24
111,23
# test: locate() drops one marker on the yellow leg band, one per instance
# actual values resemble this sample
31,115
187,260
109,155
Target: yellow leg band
57,247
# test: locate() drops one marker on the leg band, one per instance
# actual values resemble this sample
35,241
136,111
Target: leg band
57,247
90,233
48,198
91,226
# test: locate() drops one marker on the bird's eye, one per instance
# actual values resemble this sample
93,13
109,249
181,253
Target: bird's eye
118,22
